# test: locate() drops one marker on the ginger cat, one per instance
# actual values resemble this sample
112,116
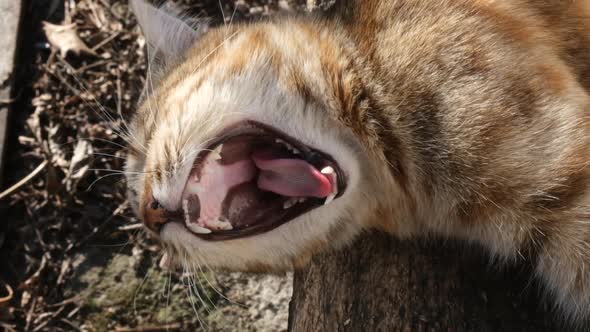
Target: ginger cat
260,144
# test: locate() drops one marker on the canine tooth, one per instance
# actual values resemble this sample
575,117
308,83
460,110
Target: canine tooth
198,229
330,198
327,170
301,200
216,153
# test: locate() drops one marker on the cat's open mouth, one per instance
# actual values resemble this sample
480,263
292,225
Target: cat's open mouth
254,179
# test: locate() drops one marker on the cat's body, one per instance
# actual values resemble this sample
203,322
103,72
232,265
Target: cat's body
467,119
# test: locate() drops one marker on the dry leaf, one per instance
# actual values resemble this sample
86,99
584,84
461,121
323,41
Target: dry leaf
25,298
65,39
58,155
66,264
79,164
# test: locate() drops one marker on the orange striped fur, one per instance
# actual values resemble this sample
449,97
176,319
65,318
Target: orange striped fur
462,118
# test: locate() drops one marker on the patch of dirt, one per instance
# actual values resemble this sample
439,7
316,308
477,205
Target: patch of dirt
261,302
71,250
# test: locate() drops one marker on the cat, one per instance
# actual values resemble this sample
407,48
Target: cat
260,144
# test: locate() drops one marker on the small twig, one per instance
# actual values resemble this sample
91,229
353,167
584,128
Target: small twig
74,326
35,276
7,328
62,79
89,66
97,229
7,101
29,316
48,316
73,312
130,227
64,302
149,328
106,41
8,297
119,92
23,181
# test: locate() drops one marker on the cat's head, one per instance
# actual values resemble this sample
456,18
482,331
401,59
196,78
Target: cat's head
254,145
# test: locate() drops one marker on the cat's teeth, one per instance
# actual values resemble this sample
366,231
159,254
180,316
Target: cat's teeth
289,147
195,228
220,224
187,218
327,170
290,202
216,153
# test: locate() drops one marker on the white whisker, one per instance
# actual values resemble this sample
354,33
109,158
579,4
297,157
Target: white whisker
213,51
222,12
168,296
102,177
116,171
106,141
108,155
213,287
190,293
231,19
196,277
139,287
124,133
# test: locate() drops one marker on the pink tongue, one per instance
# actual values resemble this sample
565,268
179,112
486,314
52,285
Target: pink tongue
290,177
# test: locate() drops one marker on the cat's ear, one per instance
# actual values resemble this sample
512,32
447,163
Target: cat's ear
168,35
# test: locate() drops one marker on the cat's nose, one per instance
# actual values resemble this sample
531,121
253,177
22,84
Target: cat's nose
155,216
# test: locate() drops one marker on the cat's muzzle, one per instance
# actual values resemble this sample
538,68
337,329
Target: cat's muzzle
252,179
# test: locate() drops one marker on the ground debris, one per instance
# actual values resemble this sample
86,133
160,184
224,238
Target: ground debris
64,38
69,219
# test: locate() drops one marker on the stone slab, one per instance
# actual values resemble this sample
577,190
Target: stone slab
10,14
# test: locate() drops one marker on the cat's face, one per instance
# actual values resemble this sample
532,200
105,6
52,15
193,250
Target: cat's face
249,151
